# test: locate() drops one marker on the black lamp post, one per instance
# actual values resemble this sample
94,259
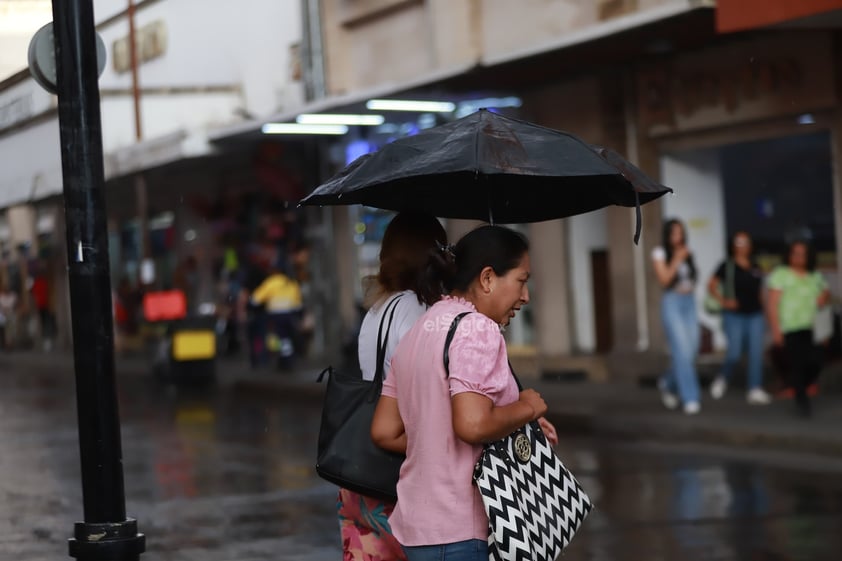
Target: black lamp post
106,534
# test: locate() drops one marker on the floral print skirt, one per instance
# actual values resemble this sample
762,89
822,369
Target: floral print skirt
365,531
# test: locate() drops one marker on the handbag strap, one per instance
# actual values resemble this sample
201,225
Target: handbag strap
729,291
449,339
383,341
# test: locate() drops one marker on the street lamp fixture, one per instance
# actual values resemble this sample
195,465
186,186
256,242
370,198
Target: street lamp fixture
337,119
298,128
410,105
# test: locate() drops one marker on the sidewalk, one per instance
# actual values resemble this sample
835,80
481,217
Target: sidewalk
608,409
624,410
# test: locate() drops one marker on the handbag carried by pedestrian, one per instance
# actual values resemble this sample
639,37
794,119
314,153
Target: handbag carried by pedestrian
711,303
534,504
346,454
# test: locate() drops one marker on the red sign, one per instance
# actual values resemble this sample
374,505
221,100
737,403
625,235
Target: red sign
165,305
739,15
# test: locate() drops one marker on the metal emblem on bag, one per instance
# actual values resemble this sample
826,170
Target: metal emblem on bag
522,448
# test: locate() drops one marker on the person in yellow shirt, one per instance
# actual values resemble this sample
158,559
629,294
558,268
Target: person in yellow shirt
280,295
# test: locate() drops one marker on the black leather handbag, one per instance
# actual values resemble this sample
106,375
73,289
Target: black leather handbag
346,454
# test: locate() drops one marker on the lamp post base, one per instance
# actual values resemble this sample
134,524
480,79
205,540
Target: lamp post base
109,541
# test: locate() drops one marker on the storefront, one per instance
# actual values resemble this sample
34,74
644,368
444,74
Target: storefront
745,134
216,223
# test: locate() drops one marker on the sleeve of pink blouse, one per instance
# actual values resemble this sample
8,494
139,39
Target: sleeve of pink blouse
478,360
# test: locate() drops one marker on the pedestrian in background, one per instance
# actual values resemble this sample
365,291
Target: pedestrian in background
409,243
8,315
738,286
42,297
796,292
441,419
280,295
676,271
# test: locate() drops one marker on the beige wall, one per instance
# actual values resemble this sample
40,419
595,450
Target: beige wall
383,42
509,27
370,43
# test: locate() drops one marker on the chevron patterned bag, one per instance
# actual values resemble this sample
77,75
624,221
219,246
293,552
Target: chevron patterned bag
534,504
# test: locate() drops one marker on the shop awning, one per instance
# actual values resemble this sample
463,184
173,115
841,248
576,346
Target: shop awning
332,103
740,15
38,185
156,152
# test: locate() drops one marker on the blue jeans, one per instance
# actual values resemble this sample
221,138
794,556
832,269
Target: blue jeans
744,331
681,324
469,550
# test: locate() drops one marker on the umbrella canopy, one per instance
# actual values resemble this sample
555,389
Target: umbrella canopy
486,166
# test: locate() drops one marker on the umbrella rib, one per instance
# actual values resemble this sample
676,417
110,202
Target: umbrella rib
483,112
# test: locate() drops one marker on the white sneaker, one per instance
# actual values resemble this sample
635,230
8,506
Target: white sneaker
669,399
757,396
692,407
718,387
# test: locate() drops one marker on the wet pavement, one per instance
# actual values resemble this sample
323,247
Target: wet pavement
223,475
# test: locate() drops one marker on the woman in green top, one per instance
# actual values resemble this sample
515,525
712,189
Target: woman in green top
796,292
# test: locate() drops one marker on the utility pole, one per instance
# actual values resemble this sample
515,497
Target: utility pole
106,533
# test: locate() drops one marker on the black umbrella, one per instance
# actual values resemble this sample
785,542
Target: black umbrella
489,167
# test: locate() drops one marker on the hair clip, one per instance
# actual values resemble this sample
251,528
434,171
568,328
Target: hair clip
446,248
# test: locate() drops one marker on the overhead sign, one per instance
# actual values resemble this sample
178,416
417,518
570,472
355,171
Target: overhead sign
747,80
151,43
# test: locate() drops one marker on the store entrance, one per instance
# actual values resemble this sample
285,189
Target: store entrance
777,190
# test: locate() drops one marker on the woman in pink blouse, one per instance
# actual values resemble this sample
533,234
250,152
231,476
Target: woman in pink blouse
440,421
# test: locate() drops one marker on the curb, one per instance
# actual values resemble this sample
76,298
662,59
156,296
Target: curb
659,427
595,418
655,427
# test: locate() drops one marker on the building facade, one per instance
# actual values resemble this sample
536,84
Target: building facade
740,118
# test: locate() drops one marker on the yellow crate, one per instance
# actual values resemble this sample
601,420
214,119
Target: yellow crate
194,345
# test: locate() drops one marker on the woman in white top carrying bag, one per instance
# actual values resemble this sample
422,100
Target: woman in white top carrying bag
406,279
676,272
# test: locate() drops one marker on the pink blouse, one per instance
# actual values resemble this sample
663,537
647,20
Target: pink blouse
438,502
